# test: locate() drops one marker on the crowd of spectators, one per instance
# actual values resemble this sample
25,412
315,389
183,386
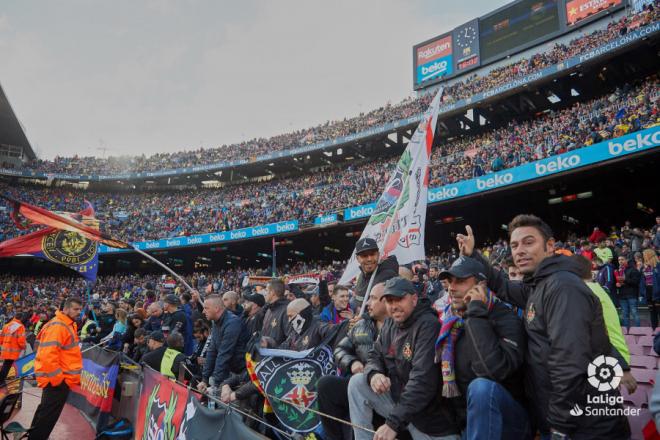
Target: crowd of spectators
138,216
333,129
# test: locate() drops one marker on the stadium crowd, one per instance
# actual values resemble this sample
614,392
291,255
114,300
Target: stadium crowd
155,215
332,129
430,304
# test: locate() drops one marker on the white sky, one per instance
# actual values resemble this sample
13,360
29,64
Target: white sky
163,76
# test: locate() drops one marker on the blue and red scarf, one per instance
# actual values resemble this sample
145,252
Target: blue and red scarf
451,328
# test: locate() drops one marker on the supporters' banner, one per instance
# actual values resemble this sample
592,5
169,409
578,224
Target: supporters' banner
170,411
60,246
397,222
255,281
289,382
201,423
41,216
97,384
24,366
305,278
161,409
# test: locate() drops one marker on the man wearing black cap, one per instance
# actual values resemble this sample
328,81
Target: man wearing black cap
175,320
368,256
253,316
481,348
164,358
401,382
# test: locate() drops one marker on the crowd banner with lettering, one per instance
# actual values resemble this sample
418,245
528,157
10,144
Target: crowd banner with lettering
168,410
97,384
291,377
610,46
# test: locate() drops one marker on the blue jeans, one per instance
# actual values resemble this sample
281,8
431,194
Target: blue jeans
493,414
629,309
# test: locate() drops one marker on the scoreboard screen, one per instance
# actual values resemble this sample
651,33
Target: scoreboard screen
517,25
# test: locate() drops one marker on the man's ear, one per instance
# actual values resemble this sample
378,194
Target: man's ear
550,245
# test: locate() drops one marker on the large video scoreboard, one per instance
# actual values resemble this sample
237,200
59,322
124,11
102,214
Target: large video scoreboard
508,30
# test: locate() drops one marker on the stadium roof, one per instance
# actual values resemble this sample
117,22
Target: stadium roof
11,131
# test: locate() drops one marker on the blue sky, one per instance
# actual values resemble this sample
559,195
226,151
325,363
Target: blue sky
153,76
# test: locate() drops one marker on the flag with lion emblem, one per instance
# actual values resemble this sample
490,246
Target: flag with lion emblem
60,246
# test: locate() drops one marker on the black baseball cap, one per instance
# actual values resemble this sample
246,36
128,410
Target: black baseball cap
157,336
365,244
173,299
464,267
399,287
256,298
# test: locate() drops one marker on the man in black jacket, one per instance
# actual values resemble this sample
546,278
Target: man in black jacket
367,255
351,354
226,351
253,316
566,336
487,356
400,380
273,332
174,318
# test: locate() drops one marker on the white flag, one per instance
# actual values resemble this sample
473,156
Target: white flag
397,223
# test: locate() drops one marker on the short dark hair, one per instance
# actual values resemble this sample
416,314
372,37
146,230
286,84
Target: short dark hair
583,266
530,220
139,332
175,341
72,300
277,286
341,287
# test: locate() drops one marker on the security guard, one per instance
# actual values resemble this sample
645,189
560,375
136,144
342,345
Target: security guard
12,344
57,366
165,358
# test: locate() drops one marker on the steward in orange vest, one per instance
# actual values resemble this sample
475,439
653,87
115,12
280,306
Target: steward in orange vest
57,366
12,343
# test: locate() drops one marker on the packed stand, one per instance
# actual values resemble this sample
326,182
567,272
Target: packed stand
333,129
157,215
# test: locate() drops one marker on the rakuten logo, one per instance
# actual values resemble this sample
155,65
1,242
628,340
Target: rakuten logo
443,193
495,181
432,51
437,67
558,164
637,143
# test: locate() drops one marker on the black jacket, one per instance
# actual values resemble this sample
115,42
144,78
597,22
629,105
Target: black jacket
630,287
175,322
491,346
565,332
310,337
356,345
254,323
275,321
405,353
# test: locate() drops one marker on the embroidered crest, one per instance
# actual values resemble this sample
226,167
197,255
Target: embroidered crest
407,351
531,313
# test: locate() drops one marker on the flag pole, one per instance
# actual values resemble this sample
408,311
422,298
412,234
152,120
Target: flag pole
274,257
164,266
366,294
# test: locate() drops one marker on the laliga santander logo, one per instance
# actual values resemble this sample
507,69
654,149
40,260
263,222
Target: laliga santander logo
604,373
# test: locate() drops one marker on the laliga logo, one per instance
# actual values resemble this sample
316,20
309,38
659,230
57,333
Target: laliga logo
604,373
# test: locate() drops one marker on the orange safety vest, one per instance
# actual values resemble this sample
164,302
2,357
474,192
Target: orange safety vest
13,340
58,355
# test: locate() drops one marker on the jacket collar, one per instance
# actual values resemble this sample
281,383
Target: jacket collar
64,318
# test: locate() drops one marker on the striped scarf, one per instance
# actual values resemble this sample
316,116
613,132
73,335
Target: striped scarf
451,328
251,367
